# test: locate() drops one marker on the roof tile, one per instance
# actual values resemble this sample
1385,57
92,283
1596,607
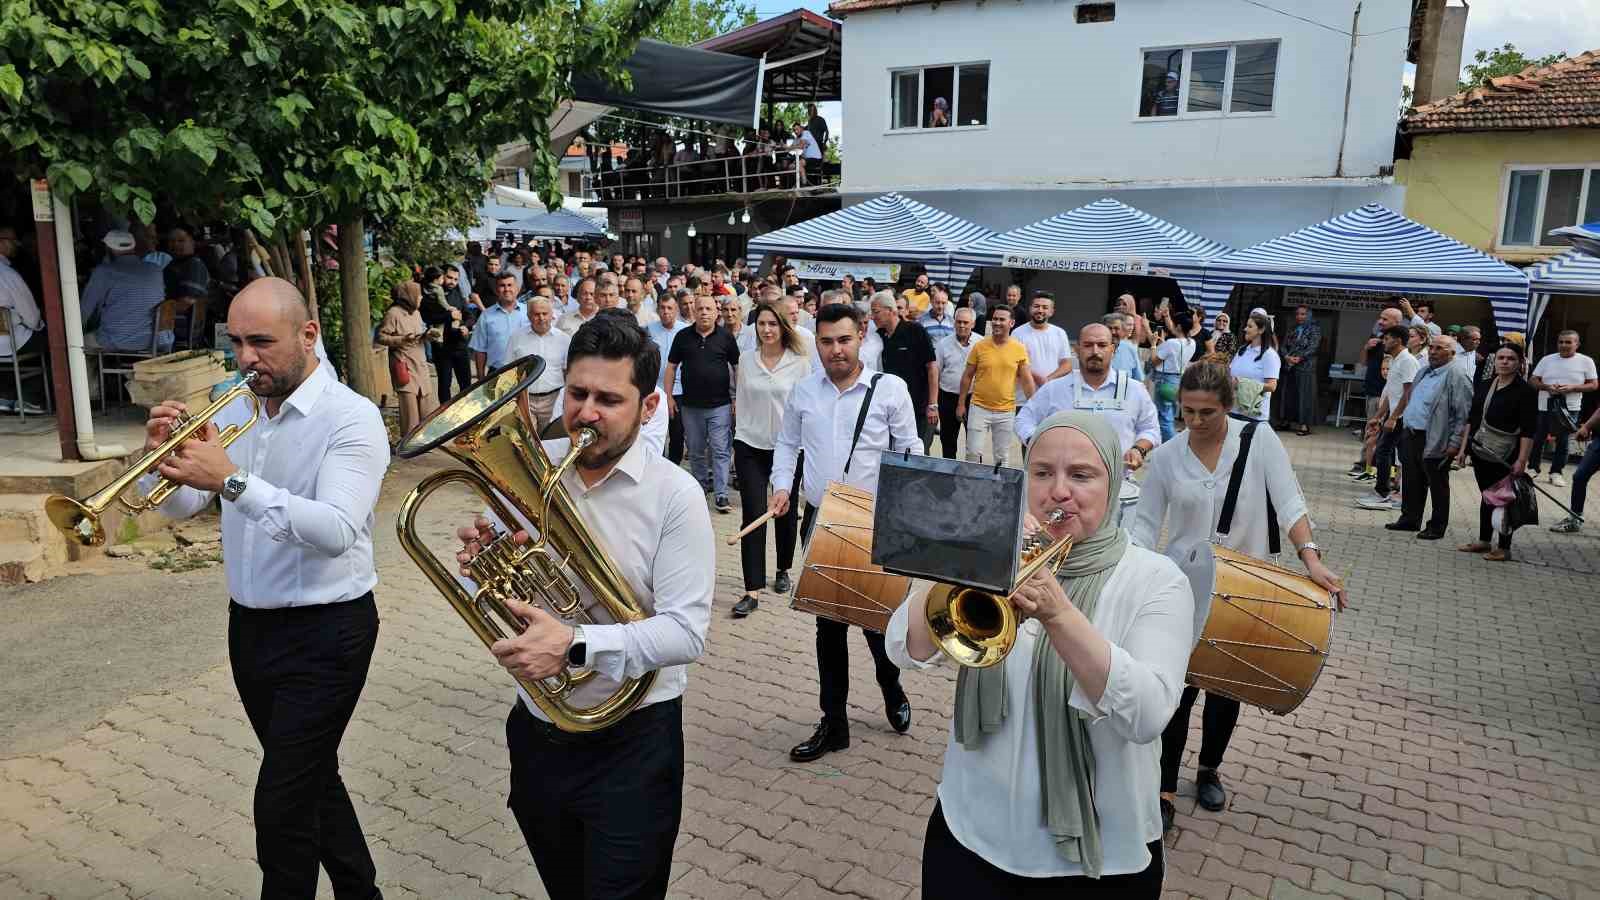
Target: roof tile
1564,94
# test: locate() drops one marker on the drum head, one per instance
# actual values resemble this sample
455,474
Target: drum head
1200,567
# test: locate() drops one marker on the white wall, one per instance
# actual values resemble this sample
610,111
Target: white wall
1064,97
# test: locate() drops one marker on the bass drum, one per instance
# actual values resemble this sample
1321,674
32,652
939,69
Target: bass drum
838,580
1267,636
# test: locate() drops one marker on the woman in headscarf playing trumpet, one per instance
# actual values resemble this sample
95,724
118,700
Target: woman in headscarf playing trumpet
1052,761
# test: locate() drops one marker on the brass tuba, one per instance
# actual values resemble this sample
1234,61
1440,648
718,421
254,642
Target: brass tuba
978,628
79,520
489,431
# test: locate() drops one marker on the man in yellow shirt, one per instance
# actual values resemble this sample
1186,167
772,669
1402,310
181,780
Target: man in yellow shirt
917,297
996,369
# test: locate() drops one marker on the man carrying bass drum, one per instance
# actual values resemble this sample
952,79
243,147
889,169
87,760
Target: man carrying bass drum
1185,487
600,810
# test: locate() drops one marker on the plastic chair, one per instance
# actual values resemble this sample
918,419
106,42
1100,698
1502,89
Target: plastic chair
26,366
163,319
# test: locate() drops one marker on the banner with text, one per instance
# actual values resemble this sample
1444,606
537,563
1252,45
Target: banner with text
1080,265
834,270
1342,300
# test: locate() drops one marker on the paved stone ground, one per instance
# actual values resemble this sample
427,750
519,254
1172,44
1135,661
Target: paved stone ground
1452,748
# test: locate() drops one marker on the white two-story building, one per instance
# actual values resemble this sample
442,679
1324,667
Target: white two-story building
1238,120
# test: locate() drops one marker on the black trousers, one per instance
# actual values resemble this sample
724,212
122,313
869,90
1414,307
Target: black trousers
950,870
754,469
1383,457
1487,473
675,440
299,672
1546,427
949,425
1216,729
1423,481
600,811
833,658
457,363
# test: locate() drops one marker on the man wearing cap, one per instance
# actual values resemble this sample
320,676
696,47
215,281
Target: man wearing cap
122,296
1166,99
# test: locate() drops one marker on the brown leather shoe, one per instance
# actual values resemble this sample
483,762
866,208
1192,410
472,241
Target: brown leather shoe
1474,547
1498,554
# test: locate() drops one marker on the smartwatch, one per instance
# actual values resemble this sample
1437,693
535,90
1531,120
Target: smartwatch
234,485
578,652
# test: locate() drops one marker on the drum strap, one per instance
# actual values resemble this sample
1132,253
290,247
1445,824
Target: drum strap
861,420
1231,499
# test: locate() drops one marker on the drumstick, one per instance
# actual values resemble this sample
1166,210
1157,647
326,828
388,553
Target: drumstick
763,519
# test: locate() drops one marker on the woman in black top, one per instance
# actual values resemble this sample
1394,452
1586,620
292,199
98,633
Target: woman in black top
1507,404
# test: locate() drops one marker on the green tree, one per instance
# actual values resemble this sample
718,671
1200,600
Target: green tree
285,114
1503,60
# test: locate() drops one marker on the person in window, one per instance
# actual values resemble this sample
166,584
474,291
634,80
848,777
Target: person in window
1165,102
940,117
817,125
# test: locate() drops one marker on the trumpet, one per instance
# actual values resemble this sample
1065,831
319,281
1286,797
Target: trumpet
978,628
80,520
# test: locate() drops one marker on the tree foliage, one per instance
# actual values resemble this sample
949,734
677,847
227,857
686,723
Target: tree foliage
283,114
1503,60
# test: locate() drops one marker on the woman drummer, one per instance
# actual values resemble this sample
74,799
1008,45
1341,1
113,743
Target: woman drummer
1184,488
1051,763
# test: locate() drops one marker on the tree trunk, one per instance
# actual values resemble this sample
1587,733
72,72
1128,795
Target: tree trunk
280,260
302,268
357,306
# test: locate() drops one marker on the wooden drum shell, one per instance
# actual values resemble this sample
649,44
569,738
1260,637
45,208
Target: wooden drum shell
838,580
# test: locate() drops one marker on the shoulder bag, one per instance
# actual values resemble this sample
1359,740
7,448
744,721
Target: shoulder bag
1489,443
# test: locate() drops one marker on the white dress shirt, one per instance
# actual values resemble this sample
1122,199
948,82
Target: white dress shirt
990,794
651,519
745,339
301,533
552,346
25,319
1133,417
763,393
821,420
953,361
1180,492
653,433
572,321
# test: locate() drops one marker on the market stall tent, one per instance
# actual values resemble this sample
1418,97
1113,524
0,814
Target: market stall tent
890,228
1573,272
1373,248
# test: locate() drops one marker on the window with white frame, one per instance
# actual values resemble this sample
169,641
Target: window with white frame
1541,198
953,96
1225,80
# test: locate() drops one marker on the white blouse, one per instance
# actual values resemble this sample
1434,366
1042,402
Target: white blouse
1180,492
991,794
1245,365
762,393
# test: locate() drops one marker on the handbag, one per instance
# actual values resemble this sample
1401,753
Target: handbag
399,372
1489,443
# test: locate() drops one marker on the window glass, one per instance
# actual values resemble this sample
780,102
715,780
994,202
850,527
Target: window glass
1522,205
906,99
973,96
1158,93
1255,68
1591,209
1563,189
1208,69
938,96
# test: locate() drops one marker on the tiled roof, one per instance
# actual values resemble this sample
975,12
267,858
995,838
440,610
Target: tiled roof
842,8
1564,94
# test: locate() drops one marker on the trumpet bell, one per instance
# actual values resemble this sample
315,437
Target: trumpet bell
975,628
75,521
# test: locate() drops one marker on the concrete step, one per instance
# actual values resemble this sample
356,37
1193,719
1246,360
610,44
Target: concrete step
22,563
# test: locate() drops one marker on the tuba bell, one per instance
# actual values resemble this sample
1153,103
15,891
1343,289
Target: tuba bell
489,431
977,628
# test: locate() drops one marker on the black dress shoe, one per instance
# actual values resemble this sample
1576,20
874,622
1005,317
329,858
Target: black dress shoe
746,605
1428,534
899,714
1403,526
781,584
827,738
1168,813
1209,790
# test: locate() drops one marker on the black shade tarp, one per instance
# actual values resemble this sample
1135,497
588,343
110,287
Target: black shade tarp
682,81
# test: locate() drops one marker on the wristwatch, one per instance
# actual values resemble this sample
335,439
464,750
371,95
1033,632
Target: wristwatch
1308,545
234,485
578,651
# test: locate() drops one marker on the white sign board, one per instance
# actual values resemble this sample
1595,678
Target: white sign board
630,220
43,209
834,270
1077,265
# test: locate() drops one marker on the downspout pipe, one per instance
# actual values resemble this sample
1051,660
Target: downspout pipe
72,318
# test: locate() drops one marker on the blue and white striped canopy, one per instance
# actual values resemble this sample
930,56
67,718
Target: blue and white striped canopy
1573,272
1584,237
1106,231
890,228
562,223
1374,249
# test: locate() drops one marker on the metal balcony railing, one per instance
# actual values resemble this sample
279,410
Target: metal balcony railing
747,173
